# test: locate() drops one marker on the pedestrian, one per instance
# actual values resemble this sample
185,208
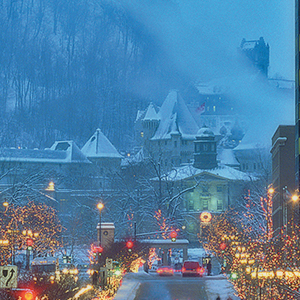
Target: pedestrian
229,298
218,298
208,266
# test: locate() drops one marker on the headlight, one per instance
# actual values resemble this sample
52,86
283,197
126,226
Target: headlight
65,271
52,277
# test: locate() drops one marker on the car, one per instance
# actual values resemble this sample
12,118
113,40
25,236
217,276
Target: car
192,268
165,271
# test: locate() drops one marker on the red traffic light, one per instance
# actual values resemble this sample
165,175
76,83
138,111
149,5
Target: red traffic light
97,249
173,235
223,246
29,242
129,244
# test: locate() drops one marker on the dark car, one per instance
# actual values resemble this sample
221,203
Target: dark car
192,268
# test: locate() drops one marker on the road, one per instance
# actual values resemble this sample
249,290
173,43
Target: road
171,288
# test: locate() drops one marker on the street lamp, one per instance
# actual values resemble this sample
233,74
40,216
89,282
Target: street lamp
294,200
100,206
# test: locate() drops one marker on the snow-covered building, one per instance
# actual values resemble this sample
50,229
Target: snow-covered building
168,133
209,185
74,172
101,152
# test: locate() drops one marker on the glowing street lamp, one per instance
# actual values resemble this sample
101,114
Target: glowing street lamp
100,206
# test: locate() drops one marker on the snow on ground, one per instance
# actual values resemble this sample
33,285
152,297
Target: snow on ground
219,286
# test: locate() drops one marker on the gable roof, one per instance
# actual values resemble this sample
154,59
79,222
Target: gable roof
71,150
99,146
222,171
175,118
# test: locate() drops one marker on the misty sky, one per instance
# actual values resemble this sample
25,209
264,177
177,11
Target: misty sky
199,32
201,37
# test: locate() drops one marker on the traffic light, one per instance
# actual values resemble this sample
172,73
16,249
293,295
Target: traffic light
173,236
234,276
222,247
29,243
129,246
97,249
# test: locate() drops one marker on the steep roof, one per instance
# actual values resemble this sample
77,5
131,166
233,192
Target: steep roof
72,152
175,118
151,113
227,157
99,146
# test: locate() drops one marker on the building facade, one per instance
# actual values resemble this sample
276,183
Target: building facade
283,177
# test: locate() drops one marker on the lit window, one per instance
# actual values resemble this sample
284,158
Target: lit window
142,134
214,108
219,204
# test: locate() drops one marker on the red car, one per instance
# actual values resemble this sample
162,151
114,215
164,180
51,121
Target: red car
192,268
165,271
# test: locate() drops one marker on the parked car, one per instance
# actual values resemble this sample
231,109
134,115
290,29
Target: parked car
165,271
192,268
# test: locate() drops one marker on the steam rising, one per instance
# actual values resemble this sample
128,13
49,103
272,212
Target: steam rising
201,38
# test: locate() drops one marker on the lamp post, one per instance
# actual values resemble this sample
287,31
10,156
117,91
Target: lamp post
100,206
294,201
29,235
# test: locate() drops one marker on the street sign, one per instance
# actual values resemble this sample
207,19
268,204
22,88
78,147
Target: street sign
8,277
109,263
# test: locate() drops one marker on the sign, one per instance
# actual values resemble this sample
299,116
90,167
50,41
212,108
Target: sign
109,263
205,217
8,277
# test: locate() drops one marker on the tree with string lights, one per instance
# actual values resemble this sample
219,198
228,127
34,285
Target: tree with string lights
38,222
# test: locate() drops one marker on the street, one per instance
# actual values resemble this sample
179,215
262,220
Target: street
172,287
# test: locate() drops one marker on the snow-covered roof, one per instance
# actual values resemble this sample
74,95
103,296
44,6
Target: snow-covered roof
227,157
73,153
282,83
68,153
175,118
151,113
221,171
215,87
99,146
134,159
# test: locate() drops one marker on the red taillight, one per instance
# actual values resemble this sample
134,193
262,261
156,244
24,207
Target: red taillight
183,269
198,270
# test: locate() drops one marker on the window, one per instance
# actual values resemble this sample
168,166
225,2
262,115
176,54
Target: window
205,204
142,134
219,188
205,147
175,144
205,189
254,166
214,108
191,205
219,204
166,142
166,162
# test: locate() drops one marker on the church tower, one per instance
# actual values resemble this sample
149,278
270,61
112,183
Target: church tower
205,151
